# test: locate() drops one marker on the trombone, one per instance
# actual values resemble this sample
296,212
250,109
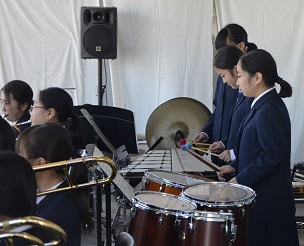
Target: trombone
65,164
16,126
33,221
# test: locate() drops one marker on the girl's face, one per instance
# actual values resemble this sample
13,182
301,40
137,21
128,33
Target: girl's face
244,81
227,77
39,115
10,107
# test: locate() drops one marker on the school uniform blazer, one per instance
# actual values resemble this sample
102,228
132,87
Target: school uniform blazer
22,119
263,157
61,209
217,126
240,109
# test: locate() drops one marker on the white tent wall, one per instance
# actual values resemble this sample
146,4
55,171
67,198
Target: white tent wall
40,44
164,51
164,48
276,27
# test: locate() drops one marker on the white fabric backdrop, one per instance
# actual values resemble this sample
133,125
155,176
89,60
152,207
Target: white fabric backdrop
40,44
276,27
164,50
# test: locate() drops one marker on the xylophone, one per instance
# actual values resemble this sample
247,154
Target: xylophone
174,160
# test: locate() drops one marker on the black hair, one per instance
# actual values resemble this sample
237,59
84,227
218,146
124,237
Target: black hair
21,92
234,33
7,136
18,186
62,102
260,61
227,58
53,143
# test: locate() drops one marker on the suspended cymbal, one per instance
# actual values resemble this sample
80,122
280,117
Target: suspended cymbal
182,114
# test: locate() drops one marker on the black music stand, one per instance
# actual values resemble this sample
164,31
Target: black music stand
113,128
117,124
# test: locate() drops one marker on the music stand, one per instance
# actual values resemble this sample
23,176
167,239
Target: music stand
111,132
117,124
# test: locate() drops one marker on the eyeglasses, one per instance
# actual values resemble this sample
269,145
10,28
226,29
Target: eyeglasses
34,106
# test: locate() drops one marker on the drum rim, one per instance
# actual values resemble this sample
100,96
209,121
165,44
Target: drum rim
150,207
246,201
170,183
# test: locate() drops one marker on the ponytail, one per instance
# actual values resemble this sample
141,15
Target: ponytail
250,47
76,129
286,89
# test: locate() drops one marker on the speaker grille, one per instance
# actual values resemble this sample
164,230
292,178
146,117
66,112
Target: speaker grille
98,41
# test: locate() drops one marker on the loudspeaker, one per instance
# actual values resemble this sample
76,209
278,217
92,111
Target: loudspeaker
99,32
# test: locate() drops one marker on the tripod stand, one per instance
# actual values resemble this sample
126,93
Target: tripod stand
121,218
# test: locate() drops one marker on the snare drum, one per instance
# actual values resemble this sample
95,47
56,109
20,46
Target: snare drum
166,181
225,197
206,228
155,217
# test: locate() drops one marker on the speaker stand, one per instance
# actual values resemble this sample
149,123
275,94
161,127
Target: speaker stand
101,88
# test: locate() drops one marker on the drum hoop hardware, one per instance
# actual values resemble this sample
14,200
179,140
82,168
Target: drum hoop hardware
177,222
160,220
141,204
163,181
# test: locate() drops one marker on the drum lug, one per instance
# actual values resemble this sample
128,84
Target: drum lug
162,187
144,183
176,224
133,212
190,226
243,212
160,221
233,232
253,203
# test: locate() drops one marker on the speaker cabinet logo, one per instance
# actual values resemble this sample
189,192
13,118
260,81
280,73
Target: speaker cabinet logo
98,49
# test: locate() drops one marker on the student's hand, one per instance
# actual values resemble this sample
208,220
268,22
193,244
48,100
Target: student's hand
224,171
217,147
200,137
225,156
233,180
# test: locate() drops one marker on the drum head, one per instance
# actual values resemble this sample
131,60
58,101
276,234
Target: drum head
170,178
220,193
156,201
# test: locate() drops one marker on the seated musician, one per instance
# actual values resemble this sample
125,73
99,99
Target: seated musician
7,136
17,188
16,98
48,143
55,105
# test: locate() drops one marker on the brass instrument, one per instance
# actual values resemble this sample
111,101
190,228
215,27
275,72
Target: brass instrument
16,126
67,163
7,225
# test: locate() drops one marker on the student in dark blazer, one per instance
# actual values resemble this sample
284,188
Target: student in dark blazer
224,63
41,144
16,98
263,152
217,126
